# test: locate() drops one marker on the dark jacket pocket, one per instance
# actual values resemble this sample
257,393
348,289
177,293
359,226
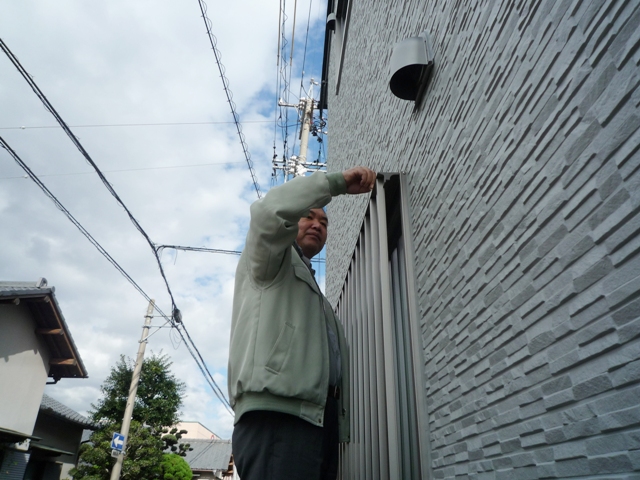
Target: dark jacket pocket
280,350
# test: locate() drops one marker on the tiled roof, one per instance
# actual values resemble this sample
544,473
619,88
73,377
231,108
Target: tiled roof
209,454
53,407
26,288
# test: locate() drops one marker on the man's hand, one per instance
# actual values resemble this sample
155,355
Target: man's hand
359,180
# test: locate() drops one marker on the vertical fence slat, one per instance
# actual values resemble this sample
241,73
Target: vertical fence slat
388,334
415,335
378,307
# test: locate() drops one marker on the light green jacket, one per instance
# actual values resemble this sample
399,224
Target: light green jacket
279,352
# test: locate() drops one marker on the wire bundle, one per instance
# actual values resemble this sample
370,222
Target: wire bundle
176,318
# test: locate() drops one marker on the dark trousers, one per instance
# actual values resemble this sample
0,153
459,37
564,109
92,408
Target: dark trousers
273,446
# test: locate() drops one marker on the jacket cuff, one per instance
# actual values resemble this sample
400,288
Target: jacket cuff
337,184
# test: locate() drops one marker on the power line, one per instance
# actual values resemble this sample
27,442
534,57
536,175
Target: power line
304,55
281,13
176,317
293,35
214,386
282,86
62,208
227,91
203,367
125,170
284,83
198,249
132,125
212,250
76,142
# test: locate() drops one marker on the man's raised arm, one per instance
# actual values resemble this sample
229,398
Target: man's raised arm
274,218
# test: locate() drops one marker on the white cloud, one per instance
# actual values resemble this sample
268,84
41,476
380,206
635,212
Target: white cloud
119,62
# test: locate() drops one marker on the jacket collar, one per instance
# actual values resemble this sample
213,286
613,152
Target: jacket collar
306,261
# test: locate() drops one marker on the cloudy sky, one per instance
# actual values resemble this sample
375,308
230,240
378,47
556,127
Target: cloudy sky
139,86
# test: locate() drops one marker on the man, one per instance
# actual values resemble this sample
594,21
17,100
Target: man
288,375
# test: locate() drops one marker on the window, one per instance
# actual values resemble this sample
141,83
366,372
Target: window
378,308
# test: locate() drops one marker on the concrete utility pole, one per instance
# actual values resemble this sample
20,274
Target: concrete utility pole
133,389
298,166
307,118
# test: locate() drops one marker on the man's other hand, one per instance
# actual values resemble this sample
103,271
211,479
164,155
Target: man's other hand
359,180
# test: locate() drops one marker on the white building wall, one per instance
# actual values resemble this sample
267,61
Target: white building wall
24,367
196,430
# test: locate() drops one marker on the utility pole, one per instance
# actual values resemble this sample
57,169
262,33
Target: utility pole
133,389
297,165
307,118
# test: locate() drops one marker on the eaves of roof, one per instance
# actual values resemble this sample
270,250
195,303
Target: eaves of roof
50,451
65,361
13,436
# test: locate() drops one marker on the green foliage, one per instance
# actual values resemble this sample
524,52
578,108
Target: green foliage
158,399
171,441
142,461
174,467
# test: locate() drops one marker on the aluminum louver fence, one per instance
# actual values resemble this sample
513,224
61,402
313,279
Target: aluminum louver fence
377,305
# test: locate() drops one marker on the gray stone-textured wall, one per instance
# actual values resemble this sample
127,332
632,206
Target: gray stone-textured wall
524,173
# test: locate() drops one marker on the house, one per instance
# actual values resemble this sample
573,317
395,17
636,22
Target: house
211,459
195,430
60,431
490,287
35,345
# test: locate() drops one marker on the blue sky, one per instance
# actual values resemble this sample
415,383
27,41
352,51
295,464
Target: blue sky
138,84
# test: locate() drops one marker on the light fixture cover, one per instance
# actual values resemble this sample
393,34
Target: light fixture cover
411,65
331,21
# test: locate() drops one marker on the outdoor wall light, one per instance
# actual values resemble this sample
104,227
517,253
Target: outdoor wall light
411,67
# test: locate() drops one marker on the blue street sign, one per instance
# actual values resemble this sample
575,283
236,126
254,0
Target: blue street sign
117,442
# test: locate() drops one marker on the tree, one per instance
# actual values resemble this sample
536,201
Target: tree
171,441
174,467
158,400
142,461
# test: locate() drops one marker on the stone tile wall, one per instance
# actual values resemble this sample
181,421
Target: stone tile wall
524,170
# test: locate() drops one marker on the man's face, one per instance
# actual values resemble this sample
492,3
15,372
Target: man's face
312,232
